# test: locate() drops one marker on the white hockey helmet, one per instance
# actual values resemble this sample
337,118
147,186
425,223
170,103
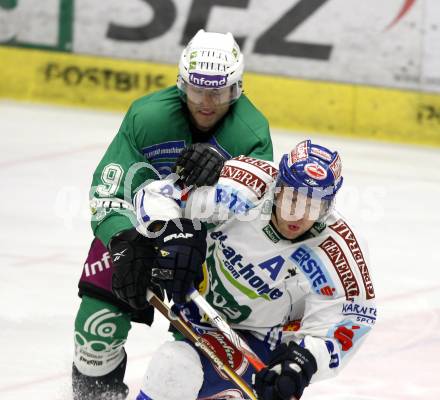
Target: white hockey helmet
212,61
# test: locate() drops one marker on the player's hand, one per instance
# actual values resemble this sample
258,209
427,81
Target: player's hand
287,374
199,164
132,257
181,253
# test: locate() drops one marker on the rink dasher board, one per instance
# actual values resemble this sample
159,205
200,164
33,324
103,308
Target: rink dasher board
349,110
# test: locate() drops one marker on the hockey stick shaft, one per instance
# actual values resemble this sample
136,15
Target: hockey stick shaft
199,342
217,320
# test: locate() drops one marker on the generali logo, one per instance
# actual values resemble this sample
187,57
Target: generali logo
342,267
344,231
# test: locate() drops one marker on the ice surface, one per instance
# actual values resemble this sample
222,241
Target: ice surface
48,154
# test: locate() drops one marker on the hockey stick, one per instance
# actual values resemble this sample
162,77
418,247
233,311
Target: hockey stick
199,342
215,318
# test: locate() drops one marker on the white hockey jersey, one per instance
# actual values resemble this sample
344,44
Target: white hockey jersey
316,290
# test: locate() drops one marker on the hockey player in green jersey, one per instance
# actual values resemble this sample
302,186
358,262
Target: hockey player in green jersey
201,122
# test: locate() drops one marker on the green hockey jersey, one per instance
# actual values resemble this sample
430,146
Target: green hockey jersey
153,133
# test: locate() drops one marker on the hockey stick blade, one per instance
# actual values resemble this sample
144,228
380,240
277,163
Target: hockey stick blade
198,341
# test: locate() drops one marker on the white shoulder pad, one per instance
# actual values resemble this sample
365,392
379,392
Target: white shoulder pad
249,176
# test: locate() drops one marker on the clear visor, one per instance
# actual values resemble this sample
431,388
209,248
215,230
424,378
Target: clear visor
216,96
295,204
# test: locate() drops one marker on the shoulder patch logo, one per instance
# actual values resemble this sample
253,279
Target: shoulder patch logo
342,267
245,178
344,231
260,164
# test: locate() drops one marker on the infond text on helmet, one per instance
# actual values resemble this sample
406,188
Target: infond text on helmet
211,81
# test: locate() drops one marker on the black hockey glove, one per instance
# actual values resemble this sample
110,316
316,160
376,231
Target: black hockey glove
287,374
132,257
181,253
199,164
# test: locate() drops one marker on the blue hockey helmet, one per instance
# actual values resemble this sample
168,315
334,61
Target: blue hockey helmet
313,169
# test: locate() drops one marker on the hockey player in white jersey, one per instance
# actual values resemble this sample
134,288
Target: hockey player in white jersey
283,267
